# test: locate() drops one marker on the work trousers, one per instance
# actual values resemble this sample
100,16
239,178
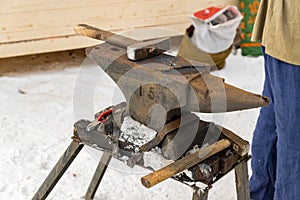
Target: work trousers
276,140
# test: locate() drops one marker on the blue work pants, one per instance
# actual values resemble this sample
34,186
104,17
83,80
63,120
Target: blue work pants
276,140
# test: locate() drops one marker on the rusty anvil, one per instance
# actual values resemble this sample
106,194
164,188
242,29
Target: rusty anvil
158,86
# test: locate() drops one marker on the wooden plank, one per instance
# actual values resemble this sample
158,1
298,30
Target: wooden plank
45,45
41,19
115,26
16,6
53,20
62,43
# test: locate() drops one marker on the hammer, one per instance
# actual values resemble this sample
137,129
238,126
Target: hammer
136,50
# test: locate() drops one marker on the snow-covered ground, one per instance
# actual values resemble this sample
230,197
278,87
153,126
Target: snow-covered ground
36,120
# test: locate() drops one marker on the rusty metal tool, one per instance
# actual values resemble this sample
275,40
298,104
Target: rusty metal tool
168,128
160,136
136,50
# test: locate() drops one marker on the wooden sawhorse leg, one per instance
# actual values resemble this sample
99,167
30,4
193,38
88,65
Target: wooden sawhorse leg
99,173
200,194
57,172
242,181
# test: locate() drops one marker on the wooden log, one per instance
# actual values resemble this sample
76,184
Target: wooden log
184,163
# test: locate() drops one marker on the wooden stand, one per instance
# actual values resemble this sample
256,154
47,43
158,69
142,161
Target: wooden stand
242,181
241,176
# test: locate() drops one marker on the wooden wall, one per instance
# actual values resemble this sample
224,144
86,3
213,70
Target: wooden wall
36,26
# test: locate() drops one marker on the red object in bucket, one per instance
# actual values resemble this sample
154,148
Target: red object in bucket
206,13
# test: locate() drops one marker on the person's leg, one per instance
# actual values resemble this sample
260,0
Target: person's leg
287,115
264,140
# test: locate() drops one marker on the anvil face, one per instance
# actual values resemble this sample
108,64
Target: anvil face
163,86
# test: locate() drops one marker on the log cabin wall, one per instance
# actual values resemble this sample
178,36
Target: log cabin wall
38,26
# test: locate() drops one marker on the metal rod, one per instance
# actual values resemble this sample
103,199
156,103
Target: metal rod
99,173
59,169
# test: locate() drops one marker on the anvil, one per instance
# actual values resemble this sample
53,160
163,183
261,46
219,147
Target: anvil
163,86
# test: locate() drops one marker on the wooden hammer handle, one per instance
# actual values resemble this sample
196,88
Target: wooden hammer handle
184,163
99,34
92,32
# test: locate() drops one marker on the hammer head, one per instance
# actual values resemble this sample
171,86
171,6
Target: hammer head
148,49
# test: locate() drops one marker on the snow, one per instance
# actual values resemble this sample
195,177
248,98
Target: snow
136,133
155,160
36,121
